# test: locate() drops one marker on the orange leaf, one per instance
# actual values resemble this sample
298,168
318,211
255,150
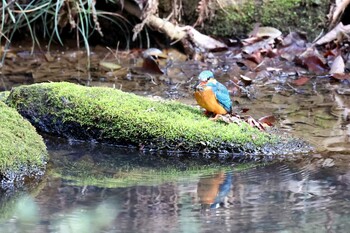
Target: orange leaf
268,120
301,80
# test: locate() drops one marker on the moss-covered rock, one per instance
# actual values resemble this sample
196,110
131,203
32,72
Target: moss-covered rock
22,150
286,15
112,116
4,95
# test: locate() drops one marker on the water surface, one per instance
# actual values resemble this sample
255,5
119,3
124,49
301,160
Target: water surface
132,193
100,188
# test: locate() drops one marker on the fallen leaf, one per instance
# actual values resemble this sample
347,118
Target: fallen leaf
337,33
296,39
255,57
264,44
331,53
110,65
312,59
150,65
273,69
268,120
252,122
230,119
248,64
293,45
270,52
154,52
268,32
251,40
340,77
246,80
338,66
315,64
301,80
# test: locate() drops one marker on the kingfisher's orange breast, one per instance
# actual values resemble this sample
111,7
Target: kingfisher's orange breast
206,99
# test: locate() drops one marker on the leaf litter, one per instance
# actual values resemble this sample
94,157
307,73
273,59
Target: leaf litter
265,56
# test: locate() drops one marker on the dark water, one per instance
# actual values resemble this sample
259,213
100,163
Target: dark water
99,188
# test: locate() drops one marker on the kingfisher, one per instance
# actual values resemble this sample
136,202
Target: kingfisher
212,95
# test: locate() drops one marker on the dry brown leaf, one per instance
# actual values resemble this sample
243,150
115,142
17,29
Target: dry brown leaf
149,66
254,57
313,60
338,66
252,122
340,77
294,44
267,120
301,80
260,45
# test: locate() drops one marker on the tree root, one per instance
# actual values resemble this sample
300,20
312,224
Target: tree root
187,35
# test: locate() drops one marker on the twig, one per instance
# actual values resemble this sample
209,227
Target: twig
240,87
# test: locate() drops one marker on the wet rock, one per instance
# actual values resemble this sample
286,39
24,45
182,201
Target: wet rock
111,116
23,153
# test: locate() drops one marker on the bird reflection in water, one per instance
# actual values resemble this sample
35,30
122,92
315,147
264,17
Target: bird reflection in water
213,190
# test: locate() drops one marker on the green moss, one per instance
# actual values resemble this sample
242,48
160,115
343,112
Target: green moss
286,15
113,116
4,95
20,145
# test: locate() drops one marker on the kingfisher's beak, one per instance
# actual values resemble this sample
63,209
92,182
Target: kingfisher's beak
199,85
195,86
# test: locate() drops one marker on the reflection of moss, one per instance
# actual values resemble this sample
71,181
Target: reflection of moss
286,15
109,115
9,199
86,172
7,205
21,148
135,176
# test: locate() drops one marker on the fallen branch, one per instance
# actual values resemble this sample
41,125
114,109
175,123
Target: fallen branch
174,32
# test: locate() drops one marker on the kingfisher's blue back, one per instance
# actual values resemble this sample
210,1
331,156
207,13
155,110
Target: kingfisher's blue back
221,93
